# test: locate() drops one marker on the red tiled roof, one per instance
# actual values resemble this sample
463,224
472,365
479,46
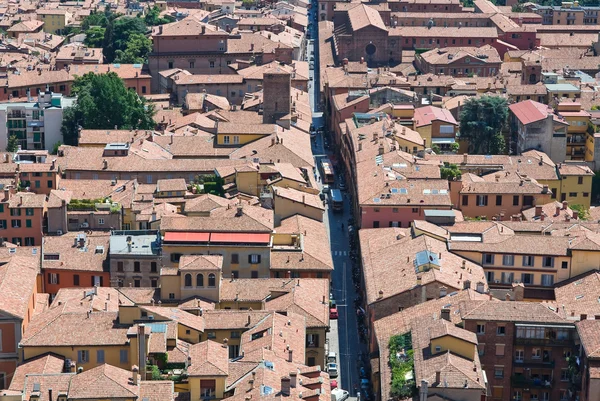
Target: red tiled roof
529,111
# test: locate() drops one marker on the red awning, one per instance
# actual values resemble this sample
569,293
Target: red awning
187,237
245,238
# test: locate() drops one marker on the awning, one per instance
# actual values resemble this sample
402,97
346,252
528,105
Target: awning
442,140
186,237
245,238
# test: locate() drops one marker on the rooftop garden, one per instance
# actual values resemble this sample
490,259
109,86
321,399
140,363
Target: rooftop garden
402,364
94,205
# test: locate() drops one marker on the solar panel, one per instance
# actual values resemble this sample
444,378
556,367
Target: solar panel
403,191
394,190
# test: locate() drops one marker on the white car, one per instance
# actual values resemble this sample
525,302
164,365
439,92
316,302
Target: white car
332,369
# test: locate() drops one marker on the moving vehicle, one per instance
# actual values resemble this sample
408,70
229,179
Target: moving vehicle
333,384
333,313
332,369
339,395
327,170
336,200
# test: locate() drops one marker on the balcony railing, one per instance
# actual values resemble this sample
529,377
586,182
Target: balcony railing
535,363
551,342
523,382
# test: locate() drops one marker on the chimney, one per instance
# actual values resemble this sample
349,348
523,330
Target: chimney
423,390
134,375
565,205
362,60
542,217
507,297
293,379
248,320
465,158
575,214
438,377
538,211
285,386
50,394
142,347
445,314
557,211
291,356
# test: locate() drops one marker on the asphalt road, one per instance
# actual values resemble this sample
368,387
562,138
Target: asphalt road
348,344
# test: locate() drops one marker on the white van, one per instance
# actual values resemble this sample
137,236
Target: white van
338,394
332,357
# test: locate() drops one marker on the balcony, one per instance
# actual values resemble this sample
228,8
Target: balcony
535,363
518,381
550,342
16,114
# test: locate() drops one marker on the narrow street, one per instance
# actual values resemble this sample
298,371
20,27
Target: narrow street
343,337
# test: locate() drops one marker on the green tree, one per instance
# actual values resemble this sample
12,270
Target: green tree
94,36
137,50
118,33
481,123
450,171
153,17
95,19
13,144
104,102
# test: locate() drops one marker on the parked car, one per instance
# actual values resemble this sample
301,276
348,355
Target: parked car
332,369
326,189
342,186
333,313
332,357
339,395
333,384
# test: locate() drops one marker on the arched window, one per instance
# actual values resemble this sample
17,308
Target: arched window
188,280
200,280
211,280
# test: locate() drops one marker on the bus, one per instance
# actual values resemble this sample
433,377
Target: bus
327,170
336,200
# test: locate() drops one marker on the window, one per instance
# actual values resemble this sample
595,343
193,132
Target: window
572,194
154,283
211,334
528,261
153,267
235,258
211,280
536,353
137,283
519,355
586,194
143,89
15,223
488,259
415,210
171,295
481,349
192,64
235,274
100,356
120,266
76,279
394,210
175,257
235,334
482,200
28,212
518,396
500,330
170,64
226,139
547,280
83,356
29,241
234,351
515,200
188,280
28,223
254,259
481,328
490,277
508,260
498,372
527,278
123,356
579,180
564,265
498,200
208,388
136,267
564,375
438,348
3,224
211,64
49,183
312,340
465,200
499,349
200,280
101,222
548,261
53,278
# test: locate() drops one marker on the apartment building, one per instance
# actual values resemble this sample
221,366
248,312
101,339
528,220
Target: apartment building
568,13
20,289
460,61
240,233
436,126
403,269
135,258
577,120
75,259
534,125
78,54
25,211
55,20
36,122
523,348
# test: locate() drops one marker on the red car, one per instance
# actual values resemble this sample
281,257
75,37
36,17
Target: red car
333,384
333,313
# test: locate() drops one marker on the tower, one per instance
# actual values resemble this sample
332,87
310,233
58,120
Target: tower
276,96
